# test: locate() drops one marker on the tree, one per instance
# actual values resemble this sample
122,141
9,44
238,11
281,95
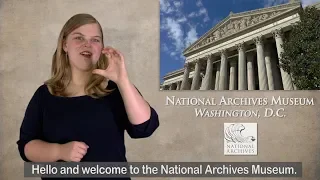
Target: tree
301,56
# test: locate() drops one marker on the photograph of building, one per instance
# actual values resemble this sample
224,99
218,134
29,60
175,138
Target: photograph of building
241,52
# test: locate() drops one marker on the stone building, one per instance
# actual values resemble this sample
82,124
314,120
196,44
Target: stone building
240,53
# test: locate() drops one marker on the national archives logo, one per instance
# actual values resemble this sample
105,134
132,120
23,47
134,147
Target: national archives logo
240,139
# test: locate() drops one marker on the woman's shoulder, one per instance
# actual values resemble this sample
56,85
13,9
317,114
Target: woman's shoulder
39,94
42,89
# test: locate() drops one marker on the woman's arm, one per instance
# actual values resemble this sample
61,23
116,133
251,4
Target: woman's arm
137,109
31,130
41,151
140,118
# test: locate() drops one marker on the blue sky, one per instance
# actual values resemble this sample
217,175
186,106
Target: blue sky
184,21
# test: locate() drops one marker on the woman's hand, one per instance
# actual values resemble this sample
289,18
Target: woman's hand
116,70
73,151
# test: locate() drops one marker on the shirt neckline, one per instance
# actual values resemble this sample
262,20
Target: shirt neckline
65,97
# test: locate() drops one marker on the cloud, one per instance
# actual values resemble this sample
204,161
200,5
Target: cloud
202,12
168,7
177,4
172,20
215,21
308,2
191,37
182,19
175,32
164,47
165,7
178,25
206,19
173,53
199,3
193,14
269,3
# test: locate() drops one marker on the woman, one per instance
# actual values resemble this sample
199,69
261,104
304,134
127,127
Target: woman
80,113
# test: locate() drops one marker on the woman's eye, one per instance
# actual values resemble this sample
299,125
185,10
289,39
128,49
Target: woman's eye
96,40
79,38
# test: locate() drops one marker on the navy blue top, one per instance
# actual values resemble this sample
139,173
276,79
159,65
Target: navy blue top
100,123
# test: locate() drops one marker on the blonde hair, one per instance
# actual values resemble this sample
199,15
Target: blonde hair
61,71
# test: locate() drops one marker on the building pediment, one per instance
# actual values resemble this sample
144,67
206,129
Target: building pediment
239,22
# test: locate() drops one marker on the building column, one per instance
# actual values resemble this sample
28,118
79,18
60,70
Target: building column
185,80
262,73
242,77
213,77
171,86
286,78
216,85
268,61
250,72
178,85
233,75
207,80
223,70
196,76
278,85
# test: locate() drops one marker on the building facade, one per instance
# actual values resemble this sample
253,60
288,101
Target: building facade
239,53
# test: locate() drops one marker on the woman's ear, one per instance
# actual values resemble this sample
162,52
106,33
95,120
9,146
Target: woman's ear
64,45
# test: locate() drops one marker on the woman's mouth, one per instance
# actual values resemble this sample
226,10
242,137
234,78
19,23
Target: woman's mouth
86,54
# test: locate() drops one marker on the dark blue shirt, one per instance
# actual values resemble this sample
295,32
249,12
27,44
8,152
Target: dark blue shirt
100,123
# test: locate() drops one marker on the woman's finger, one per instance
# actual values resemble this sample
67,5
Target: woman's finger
76,159
119,54
108,49
112,52
107,54
115,53
100,72
110,63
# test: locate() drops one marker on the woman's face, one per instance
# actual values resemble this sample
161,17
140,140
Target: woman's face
84,46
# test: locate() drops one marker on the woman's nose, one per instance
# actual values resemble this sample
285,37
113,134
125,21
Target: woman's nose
87,43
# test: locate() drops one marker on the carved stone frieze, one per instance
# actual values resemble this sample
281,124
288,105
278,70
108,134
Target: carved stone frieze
235,25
